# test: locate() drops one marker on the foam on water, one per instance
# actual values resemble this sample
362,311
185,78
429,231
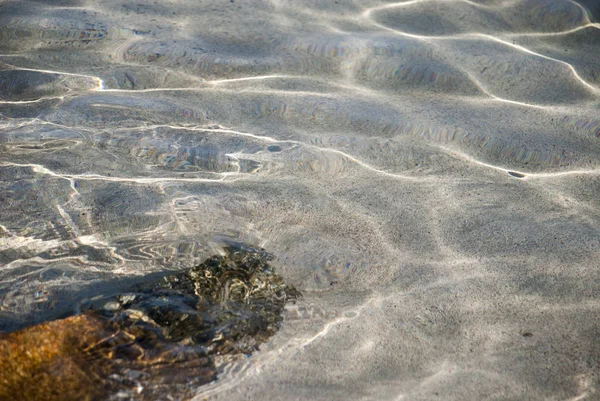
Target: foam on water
426,172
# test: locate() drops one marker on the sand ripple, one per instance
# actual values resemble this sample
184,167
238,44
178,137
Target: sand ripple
425,171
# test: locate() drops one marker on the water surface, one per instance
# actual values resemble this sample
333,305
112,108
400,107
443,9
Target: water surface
426,172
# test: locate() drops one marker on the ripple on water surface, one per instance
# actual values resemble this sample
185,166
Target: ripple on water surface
426,172
443,18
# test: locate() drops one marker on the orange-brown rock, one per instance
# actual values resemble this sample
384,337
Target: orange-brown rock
87,357
51,361
154,342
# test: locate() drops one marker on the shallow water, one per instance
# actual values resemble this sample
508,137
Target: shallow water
426,172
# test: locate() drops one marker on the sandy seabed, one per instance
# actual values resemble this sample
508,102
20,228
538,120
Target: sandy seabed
426,172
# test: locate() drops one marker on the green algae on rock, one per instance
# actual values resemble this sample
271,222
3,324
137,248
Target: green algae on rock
159,339
229,304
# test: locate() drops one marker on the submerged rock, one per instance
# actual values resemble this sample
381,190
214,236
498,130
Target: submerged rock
157,341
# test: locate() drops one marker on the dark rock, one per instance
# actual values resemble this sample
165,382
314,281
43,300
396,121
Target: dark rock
157,339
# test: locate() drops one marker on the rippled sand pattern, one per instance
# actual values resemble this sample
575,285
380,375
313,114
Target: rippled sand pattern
426,172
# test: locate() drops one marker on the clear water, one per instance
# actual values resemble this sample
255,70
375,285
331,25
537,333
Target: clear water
426,172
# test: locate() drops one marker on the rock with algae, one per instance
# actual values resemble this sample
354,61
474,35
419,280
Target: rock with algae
158,341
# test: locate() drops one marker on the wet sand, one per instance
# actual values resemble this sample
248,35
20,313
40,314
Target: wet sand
426,172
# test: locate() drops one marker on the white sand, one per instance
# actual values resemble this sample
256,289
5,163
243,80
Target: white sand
366,144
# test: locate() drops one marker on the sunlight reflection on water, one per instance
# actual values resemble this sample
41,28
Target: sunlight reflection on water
425,171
